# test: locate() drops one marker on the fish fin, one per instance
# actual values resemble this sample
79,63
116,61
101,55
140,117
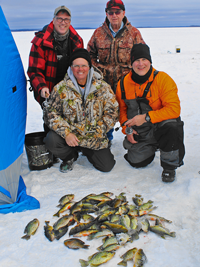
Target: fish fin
99,248
83,263
27,237
123,263
163,236
86,246
173,234
57,214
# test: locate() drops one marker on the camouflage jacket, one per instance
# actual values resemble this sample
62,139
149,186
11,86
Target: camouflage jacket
112,55
66,111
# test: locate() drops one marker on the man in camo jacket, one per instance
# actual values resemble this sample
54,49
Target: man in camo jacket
81,109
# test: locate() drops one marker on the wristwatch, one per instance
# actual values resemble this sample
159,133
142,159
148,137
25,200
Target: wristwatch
129,130
147,118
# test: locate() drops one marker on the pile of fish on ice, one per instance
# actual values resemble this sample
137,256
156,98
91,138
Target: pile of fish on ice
101,216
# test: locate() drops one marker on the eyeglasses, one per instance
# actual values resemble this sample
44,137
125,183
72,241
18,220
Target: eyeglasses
111,13
80,66
60,20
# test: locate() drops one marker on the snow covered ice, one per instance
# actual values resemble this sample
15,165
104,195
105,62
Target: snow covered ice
178,201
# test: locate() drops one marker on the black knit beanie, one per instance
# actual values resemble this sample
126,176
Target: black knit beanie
140,51
80,53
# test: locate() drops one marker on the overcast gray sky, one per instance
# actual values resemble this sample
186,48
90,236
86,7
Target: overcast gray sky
33,15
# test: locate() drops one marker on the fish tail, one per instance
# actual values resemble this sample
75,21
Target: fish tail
173,234
123,263
57,214
83,263
86,246
27,237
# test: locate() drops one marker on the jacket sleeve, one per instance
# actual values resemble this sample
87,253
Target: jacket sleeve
52,115
168,96
92,49
36,69
110,111
122,107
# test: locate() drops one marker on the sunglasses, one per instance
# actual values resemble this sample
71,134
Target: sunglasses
111,13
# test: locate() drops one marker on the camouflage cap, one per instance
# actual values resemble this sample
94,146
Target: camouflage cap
62,8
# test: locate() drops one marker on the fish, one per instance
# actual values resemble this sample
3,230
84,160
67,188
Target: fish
63,221
123,238
76,207
144,212
109,240
138,200
116,228
140,258
81,227
31,229
75,243
146,205
145,225
87,218
112,247
105,215
85,233
104,232
115,218
107,194
49,231
61,232
97,259
162,231
129,255
99,198
65,199
154,217
65,207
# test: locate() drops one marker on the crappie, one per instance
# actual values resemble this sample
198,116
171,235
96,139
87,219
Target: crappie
49,231
97,259
75,243
31,229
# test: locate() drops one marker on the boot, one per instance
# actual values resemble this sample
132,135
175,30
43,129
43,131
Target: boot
168,176
66,166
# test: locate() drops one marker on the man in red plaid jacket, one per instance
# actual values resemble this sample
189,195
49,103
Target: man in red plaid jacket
50,52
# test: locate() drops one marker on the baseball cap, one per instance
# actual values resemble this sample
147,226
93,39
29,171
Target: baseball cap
62,8
117,4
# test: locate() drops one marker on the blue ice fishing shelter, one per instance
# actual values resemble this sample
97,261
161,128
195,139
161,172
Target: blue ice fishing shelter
13,106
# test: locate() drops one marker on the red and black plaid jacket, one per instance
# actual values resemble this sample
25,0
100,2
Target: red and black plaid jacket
43,60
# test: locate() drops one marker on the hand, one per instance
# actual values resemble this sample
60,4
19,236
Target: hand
131,138
137,120
71,140
45,92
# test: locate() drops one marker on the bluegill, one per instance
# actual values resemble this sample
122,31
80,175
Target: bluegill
75,243
31,229
97,259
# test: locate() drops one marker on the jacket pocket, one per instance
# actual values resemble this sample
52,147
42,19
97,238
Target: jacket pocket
104,54
124,51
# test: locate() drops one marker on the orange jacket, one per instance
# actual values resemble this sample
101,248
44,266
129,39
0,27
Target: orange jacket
163,97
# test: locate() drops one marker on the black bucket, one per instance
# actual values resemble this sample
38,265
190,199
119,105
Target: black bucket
39,158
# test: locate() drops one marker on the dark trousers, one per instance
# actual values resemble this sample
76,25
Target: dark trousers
102,159
168,138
